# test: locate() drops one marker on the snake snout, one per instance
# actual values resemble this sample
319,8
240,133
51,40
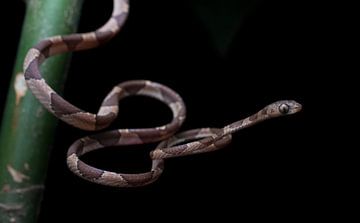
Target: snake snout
292,107
296,107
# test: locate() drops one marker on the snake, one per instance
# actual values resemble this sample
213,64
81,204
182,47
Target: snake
172,144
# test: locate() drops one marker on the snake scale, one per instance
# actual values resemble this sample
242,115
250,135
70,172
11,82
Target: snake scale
172,144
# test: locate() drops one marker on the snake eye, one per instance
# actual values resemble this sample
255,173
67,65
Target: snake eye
284,108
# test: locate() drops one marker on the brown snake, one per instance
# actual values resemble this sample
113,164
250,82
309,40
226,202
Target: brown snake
202,140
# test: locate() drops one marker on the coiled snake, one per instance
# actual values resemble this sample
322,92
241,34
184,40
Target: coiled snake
202,140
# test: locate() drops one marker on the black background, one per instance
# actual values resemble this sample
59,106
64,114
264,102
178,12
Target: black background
266,171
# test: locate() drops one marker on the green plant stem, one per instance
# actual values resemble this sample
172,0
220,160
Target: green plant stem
27,130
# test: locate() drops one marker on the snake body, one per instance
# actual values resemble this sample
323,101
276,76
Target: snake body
172,145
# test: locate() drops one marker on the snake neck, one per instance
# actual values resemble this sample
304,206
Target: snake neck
244,123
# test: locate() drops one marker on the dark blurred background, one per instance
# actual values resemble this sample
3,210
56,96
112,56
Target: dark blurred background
227,59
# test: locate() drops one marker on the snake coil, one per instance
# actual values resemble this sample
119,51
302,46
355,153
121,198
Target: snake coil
172,144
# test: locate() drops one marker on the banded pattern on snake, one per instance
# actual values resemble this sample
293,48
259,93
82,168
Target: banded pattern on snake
201,140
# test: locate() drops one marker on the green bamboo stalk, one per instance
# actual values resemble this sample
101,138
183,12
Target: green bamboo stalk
27,129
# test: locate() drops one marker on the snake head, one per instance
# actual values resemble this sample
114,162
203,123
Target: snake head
281,108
